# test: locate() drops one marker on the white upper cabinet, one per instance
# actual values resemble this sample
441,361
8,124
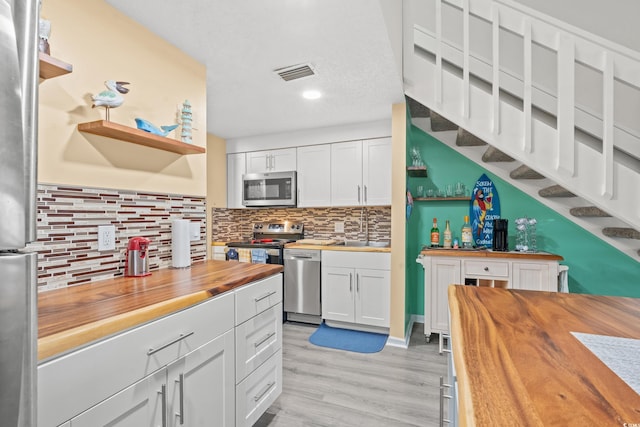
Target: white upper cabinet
314,180
361,173
376,171
271,161
235,169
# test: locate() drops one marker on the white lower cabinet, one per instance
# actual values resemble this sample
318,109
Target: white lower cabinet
356,288
196,390
179,370
539,273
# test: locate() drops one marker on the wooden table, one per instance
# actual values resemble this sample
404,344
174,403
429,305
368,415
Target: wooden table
519,365
77,315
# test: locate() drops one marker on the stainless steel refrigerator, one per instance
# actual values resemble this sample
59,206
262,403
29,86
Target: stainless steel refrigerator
18,149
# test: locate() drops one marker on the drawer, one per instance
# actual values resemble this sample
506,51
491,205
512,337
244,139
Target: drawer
258,391
486,268
257,339
257,297
76,381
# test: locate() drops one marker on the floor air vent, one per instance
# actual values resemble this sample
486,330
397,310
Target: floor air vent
295,72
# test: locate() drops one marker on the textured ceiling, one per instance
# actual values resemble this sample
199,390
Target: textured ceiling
241,42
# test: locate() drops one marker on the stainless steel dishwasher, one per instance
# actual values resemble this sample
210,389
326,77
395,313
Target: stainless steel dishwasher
302,285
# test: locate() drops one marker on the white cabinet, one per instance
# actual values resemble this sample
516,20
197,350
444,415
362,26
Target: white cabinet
197,389
356,289
376,171
258,338
443,272
361,173
141,404
200,386
537,271
314,184
236,167
177,370
271,161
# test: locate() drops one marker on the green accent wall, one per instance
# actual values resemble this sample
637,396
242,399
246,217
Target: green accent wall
595,267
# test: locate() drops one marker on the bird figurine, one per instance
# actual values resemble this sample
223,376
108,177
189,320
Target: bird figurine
146,126
110,98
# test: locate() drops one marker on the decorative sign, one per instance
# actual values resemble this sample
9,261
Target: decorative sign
485,207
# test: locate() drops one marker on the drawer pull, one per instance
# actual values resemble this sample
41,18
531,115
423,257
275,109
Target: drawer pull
264,391
180,338
259,343
163,393
486,269
267,295
180,382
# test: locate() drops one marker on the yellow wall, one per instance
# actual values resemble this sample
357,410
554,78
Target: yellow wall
398,199
216,179
101,44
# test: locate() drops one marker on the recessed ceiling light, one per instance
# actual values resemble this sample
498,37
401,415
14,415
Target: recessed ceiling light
311,94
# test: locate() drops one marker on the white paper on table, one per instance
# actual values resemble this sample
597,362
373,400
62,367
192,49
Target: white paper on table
619,354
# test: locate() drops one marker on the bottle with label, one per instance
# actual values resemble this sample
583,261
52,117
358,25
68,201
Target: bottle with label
467,234
435,234
447,236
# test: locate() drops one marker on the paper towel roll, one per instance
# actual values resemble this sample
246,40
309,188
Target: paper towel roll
180,243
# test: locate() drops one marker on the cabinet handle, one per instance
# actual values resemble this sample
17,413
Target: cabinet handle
357,282
163,393
266,162
264,391
350,282
259,343
442,397
267,295
486,269
365,194
180,414
358,194
180,338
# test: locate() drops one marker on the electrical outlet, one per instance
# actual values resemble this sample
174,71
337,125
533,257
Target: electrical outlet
339,227
106,237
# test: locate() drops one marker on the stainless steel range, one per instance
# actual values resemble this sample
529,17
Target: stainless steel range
271,237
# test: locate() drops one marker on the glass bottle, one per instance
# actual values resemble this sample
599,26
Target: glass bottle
467,234
447,236
435,234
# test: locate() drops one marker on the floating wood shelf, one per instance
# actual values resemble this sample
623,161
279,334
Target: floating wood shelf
137,136
51,67
442,199
417,171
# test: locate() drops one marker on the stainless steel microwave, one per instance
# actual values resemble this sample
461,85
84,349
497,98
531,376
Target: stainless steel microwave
269,189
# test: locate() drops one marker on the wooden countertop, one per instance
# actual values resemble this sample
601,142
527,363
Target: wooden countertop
518,364
337,248
488,253
74,316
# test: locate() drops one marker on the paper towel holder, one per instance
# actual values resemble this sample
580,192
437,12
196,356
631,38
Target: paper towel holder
181,243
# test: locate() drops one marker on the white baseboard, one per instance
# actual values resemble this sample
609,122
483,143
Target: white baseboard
404,343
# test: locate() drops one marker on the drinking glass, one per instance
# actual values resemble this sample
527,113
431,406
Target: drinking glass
420,191
449,190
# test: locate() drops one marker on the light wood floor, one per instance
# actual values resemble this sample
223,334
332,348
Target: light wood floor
327,387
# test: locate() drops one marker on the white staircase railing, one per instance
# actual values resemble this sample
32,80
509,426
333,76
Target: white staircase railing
559,100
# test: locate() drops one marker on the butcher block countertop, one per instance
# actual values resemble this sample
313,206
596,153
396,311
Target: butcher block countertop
518,364
488,253
77,315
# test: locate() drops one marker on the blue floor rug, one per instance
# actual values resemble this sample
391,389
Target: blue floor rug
346,339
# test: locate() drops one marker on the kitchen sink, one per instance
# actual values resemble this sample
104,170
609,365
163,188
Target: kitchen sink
363,243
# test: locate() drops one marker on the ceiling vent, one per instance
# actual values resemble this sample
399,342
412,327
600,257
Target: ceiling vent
295,72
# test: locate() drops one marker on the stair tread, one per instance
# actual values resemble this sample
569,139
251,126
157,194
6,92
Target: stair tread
525,172
439,123
494,155
588,211
467,139
624,232
555,191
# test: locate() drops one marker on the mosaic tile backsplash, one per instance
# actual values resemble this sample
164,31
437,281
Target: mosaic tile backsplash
319,223
68,219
